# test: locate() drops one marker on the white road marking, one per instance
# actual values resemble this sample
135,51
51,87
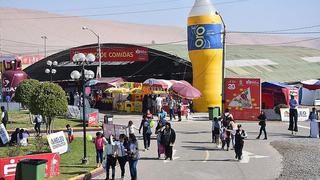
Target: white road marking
206,157
173,156
247,155
306,127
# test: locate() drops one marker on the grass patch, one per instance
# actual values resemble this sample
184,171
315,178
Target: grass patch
22,119
70,164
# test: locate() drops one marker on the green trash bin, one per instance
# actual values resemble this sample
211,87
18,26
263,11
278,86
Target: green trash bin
213,112
31,169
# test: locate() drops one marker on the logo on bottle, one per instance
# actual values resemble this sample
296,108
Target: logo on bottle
204,36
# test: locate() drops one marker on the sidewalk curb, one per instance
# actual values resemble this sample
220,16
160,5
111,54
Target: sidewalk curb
63,129
88,175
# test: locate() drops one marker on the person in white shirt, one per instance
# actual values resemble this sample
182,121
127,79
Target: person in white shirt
159,101
22,137
131,127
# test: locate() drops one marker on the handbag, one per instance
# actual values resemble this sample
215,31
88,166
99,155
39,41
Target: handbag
260,123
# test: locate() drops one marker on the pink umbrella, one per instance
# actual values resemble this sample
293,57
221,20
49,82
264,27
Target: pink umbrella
186,90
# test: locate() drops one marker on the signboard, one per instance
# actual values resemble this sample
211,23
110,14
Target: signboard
242,97
303,114
8,165
115,130
93,118
116,53
28,60
57,142
4,134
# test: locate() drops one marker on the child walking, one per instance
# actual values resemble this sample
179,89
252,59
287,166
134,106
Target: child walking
99,142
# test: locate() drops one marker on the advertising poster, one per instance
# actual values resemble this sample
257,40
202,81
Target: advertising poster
8,165
4,134
93,118
58,142
242,98
303,114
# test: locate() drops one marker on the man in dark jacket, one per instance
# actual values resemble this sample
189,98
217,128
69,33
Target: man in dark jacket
4,116
169,138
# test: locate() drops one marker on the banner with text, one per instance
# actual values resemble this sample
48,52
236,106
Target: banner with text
115,54
58,142
242,97
8,165
4,134
303,114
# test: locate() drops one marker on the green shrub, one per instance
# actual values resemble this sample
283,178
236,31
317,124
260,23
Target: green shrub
278,107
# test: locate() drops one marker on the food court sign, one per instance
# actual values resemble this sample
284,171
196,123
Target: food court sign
115,54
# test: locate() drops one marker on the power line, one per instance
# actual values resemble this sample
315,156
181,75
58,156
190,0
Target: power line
282,43
115,13
264,32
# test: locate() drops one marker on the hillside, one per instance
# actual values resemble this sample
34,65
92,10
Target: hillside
21,31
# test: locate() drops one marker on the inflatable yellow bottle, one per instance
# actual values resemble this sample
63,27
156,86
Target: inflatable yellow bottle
205,52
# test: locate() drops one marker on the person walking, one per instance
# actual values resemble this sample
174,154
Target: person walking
239,142
37,126
262,123
169,138
122,147
162,116
146,132
179,109
159,101
131,127
4,116
216,129
172,105
293,114
133,156
159,131
99,143
110,157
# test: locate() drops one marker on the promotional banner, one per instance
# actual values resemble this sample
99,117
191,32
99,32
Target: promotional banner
93,118
4,134
303,114
8,165
58,142
115,54
242,97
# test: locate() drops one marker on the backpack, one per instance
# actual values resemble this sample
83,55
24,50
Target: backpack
147,125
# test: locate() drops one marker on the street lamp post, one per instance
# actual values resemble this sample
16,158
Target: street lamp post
51,71
223,60
99,50
81,60
45,45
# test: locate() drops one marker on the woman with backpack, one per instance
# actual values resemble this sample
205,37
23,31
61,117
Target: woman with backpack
111,157
146,132
133,156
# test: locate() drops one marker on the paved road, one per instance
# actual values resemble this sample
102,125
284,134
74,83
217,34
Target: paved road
196,158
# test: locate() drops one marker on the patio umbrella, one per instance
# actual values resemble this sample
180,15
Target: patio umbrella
92,82
118,90
186,90
136,91
158,83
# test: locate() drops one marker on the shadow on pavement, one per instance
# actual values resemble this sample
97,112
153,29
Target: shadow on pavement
202,148
149,158
216,160
196,142
195,132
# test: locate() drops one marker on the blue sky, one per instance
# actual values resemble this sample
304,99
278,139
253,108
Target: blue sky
240,15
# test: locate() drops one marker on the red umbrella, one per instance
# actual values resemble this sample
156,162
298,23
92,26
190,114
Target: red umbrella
186,90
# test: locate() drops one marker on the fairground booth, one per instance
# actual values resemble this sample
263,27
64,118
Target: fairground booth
310,92
129,73
274,94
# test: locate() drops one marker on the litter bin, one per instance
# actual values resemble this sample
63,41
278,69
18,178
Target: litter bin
108,119
213,112
31,169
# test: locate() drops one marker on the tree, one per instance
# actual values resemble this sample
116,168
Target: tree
24,91
49,100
